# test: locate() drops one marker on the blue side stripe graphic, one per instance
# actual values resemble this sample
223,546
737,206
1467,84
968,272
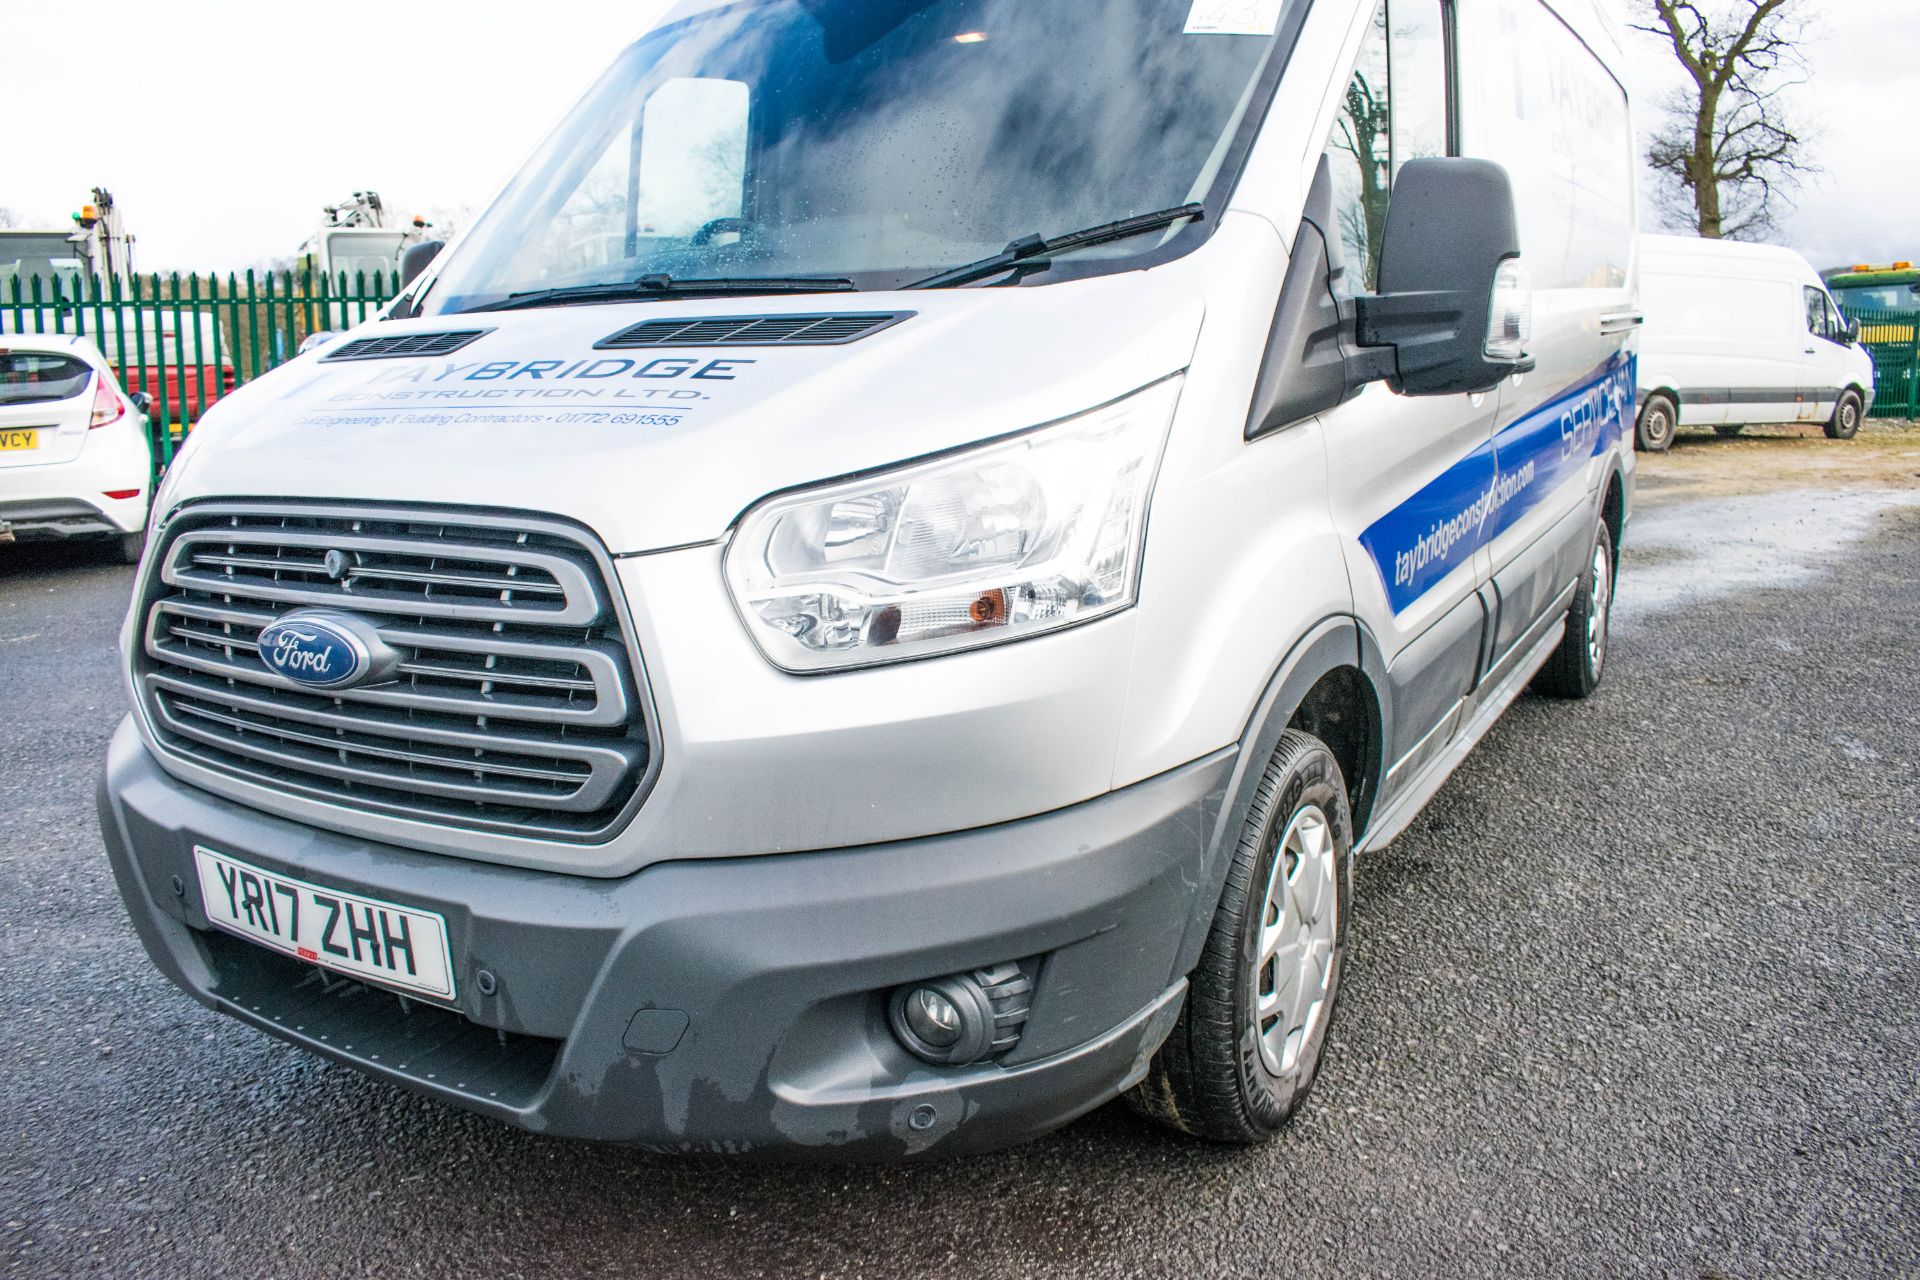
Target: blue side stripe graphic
1480,497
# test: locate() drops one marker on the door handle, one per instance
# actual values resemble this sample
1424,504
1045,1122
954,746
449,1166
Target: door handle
1621,321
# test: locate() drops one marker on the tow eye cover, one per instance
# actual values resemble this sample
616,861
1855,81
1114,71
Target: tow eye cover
325,649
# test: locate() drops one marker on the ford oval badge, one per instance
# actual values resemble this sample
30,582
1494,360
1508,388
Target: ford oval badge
325,650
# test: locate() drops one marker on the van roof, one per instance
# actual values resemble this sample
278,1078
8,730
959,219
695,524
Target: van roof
1669,251
1732,250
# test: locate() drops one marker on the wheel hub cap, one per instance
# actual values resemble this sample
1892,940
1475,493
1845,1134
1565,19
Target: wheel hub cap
1298,923
1599,600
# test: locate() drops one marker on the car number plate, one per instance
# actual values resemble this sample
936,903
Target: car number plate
383,942
16,438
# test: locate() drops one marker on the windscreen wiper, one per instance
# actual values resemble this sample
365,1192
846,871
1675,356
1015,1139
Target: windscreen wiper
1032,247
664,286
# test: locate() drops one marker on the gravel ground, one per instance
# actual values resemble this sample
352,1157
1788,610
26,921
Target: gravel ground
1636,996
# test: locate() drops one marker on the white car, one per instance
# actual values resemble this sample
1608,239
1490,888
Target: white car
75,458
1743,334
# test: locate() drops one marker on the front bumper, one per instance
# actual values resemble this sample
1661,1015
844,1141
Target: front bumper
729,1005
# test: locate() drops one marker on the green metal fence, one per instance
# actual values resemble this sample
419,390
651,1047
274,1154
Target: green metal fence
187,341
1894,339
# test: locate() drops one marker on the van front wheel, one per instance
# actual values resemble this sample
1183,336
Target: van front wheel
1659,419
1845,422
1247,1045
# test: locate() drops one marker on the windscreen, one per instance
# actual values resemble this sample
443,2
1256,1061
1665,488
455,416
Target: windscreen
360,253
33,377
875,140
1884,297
44,256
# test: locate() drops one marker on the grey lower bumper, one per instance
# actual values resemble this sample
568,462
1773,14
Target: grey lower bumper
729,1005
25,520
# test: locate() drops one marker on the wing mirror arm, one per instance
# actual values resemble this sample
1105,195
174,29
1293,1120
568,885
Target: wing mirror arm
1454,309
1417,333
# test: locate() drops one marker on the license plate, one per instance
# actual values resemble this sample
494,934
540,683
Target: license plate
362,937
15,438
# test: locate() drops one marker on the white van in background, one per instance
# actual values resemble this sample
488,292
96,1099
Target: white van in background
1741,334
869,603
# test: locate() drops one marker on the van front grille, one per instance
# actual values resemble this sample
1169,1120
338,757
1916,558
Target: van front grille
515,705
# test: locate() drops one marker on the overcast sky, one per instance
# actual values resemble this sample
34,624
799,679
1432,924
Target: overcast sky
223,126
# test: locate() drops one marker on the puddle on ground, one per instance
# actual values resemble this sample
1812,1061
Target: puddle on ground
1687,552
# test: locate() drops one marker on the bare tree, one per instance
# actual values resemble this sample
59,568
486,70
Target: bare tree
1363,133
445,221
1364,130
8,218
1729,155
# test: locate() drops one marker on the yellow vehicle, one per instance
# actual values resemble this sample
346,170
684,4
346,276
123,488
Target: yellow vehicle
1885,302
1868,293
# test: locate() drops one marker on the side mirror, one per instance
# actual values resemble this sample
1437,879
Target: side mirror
1454,312
1852,330
142,403
417,258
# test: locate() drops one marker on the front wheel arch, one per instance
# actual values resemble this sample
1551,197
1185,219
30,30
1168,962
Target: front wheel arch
1335,644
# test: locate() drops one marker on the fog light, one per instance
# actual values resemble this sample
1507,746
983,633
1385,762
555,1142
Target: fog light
965,1018
932,1018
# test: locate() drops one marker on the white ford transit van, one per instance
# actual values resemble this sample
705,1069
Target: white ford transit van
870,602
1742,334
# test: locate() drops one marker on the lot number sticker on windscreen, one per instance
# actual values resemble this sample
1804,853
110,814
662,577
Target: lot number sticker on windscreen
363,937
1233,17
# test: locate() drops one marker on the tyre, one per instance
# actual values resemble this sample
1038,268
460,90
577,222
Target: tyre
1659,419
1248,1042
1728,430
129,546
1845,422
1576,666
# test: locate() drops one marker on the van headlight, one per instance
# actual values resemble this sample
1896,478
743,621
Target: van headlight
996,543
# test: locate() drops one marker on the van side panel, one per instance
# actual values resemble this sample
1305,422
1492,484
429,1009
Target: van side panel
1227,591
1538,100
1404,474
1688,342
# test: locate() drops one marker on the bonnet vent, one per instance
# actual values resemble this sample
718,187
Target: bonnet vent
405,345
752,331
